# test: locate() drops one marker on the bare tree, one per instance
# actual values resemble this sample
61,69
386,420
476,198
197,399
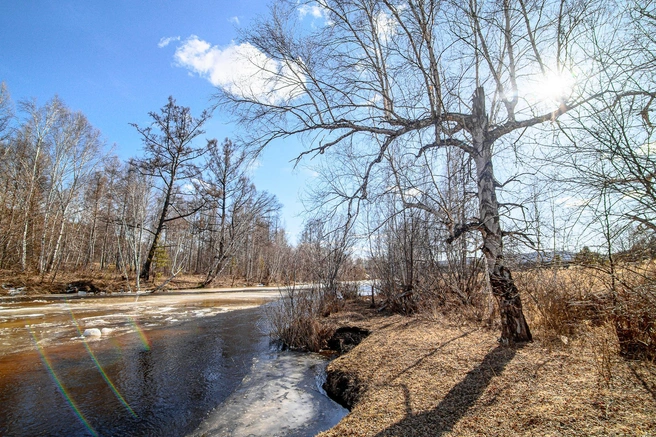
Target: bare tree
235,208
8,193
431,75
225,178
6,116
170,157
34,138
136,191
73,154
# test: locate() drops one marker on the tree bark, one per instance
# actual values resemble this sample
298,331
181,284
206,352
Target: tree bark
145,270
514,328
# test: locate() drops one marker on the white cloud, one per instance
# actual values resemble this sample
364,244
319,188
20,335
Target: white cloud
188,188
234,20
167,40
412,192
647,149
310,173
240,69
572,202
253,166
385,26
315,11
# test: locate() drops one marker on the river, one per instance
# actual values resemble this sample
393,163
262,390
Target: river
164,365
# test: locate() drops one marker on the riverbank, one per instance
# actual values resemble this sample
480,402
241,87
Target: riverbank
21,284
415,376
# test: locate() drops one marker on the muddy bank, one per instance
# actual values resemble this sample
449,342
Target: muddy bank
344,387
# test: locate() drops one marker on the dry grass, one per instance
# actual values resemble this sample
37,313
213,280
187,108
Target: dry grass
563,303
431,378
559,301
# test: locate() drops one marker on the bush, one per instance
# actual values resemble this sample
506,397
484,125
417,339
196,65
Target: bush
295,318
562,300
634,315
566,302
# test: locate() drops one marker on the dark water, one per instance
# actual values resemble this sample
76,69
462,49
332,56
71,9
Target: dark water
159,382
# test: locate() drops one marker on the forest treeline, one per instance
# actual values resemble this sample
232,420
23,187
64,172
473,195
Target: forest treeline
187,204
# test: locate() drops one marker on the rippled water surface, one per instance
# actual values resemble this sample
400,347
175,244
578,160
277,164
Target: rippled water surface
163,366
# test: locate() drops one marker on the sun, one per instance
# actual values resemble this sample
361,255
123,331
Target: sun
555,87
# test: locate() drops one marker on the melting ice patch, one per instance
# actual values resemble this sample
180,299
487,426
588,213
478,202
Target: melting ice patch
279,397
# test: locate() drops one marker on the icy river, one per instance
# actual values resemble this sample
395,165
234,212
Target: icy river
174,364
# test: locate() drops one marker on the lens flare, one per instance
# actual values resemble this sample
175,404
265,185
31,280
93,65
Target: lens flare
60,386
101,370
141,333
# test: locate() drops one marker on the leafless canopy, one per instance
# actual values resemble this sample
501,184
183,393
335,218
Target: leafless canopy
370,73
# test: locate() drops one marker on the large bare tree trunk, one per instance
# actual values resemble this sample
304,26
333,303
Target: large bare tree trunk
145,270
514,328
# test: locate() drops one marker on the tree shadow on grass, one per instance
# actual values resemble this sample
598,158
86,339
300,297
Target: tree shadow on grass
455,404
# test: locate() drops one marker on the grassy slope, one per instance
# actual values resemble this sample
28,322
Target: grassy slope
437,378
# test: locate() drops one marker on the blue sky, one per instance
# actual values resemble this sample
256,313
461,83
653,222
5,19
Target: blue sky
117,60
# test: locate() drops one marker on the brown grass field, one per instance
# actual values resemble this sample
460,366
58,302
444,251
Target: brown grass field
440,376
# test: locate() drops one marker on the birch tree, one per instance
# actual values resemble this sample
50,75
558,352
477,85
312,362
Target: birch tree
425,74
34,138
73,153
6,116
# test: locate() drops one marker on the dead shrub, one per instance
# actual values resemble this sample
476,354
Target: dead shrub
479,308
348,290
560,300
566,302
458,290
604,348
634,318
295,318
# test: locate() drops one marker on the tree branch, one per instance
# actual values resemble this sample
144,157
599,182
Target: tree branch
446,143
458,230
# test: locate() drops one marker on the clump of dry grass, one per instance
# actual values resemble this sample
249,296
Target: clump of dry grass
604,347
634,318
296,319
569,302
